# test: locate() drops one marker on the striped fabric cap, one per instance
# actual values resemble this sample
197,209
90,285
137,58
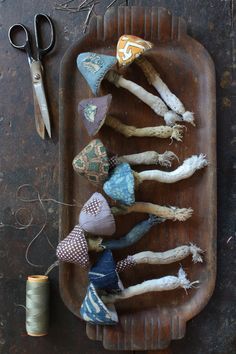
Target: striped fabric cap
94,311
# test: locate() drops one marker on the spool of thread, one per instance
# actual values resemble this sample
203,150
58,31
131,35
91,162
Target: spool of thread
37,305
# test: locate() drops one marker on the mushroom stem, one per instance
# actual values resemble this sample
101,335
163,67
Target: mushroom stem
169,282
170,99
149,158
134,235
94,244
184,171
162,131
170,256
154,102
170,213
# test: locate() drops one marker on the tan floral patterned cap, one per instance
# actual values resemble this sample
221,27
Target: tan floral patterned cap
92,162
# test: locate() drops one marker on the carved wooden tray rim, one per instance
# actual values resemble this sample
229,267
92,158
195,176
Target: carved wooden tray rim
193,307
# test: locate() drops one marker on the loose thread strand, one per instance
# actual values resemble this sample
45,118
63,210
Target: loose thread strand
24,226
37,235
51,267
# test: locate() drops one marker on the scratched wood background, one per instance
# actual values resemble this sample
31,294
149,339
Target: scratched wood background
26,159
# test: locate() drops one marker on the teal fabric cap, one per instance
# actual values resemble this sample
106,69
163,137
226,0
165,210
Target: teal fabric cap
94,67
120,186
93,309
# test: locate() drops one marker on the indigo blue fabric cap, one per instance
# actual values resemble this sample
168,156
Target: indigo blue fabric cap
93,309
94,67
120,186
103,274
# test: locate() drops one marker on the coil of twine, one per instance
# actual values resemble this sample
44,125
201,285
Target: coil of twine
37,305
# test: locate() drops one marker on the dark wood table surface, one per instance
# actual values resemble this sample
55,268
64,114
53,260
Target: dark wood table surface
26,159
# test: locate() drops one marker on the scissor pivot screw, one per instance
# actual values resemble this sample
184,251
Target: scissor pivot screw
36,76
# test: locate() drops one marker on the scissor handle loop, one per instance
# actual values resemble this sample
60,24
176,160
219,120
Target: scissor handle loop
26,45
16,28
43,51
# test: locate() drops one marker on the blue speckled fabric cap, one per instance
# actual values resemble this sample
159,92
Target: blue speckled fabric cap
94,67
103,273
120,186
94,311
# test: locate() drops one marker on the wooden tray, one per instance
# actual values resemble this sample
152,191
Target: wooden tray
152,320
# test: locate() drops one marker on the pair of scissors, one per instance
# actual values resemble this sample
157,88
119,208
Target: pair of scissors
41,112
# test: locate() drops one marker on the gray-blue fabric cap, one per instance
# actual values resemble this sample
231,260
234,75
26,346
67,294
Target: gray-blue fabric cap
94,67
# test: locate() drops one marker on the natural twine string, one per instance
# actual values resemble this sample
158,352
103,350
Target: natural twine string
19,225
37,286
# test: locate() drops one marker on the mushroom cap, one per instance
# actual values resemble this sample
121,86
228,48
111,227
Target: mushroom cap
103,273
74,248
93,112
96,217
92,162
94,67
94,310
129,48
121,185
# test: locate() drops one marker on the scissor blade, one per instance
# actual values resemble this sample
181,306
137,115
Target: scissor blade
41,98
37,79
39,123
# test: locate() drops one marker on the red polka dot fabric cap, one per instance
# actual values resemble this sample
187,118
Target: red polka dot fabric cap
74,248
125,264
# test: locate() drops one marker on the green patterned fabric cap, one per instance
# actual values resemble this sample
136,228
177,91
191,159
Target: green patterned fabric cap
92,162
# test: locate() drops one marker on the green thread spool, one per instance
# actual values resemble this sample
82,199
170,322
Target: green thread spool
37,305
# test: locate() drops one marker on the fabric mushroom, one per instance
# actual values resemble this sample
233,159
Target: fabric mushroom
166,283
131,48
96,67
104,280
94,221
95,218
76,246
123,180
95,166
98,308
121,187
104,273
95,163
94,113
